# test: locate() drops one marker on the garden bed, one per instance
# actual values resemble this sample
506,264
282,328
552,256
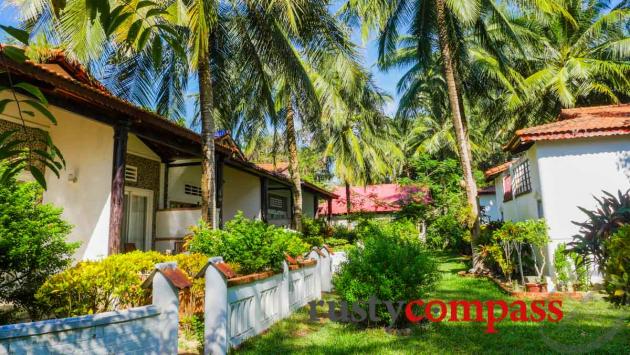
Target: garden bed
506,287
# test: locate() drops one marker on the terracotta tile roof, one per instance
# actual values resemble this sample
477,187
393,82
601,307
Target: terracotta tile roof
576,123
280,167
383,198
496,170
69,78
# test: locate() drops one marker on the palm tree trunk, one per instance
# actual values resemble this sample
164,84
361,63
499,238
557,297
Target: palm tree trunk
459,124
294,171
208,201
348,202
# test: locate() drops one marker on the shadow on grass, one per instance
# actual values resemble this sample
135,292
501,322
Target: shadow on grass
593,327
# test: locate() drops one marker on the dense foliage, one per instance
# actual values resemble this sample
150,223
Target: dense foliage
610,214
514,247
617,267
32,243
447,216
377,269
113,283
251,245
570,269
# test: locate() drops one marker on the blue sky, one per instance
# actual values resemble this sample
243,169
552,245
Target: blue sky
386,81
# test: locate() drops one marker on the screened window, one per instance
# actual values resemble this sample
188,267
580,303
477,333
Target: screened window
522,182
192,190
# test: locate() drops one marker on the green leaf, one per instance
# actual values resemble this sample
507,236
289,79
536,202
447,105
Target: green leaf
43,110
133,31
156,52
6,134
17,33
144,38
33,90
155,12
15,54
38,175
145,3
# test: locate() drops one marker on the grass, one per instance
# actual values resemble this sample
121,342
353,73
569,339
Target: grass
587,327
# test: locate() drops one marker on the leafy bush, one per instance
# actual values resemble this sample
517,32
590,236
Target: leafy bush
617,267
334,242
113,283
447,216
610,214
32,243
252,244
314,231
513,236
570,267
343,232
376,268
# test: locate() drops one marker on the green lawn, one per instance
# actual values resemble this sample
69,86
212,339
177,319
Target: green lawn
587,327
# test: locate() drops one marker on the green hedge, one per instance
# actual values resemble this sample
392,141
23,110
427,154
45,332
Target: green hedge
250,245
113,283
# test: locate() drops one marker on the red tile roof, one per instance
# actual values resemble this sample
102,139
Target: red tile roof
576,123
381,198
496,170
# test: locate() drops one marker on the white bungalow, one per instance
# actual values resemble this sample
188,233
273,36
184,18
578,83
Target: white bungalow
560,166
132,179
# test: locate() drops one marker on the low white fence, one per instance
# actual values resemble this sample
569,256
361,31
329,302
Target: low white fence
239,308
143,330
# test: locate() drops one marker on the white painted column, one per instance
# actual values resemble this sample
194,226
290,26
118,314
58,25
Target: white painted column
317,274
285,302
166,298
216,309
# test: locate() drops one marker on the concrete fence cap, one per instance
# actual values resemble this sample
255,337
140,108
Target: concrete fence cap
176,277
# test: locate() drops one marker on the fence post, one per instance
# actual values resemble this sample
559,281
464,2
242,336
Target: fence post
314,254
326,270
166,281
285,302
216,308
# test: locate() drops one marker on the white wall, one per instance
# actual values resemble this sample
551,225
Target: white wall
87,147
308,201
573,171
241,191
524,206
136,147
178,177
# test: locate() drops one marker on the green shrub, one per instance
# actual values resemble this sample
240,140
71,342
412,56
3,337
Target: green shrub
343,232
376,268
611,213
113,283
314,231
562,265
617,267
512,237
334,242
32,243
252,244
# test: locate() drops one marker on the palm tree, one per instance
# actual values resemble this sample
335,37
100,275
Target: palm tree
580,62
445,23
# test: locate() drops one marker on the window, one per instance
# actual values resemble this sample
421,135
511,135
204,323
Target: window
131,173
278,203
192,190
507,188
522,182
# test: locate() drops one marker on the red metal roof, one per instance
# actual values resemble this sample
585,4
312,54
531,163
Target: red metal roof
381,198
576,123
